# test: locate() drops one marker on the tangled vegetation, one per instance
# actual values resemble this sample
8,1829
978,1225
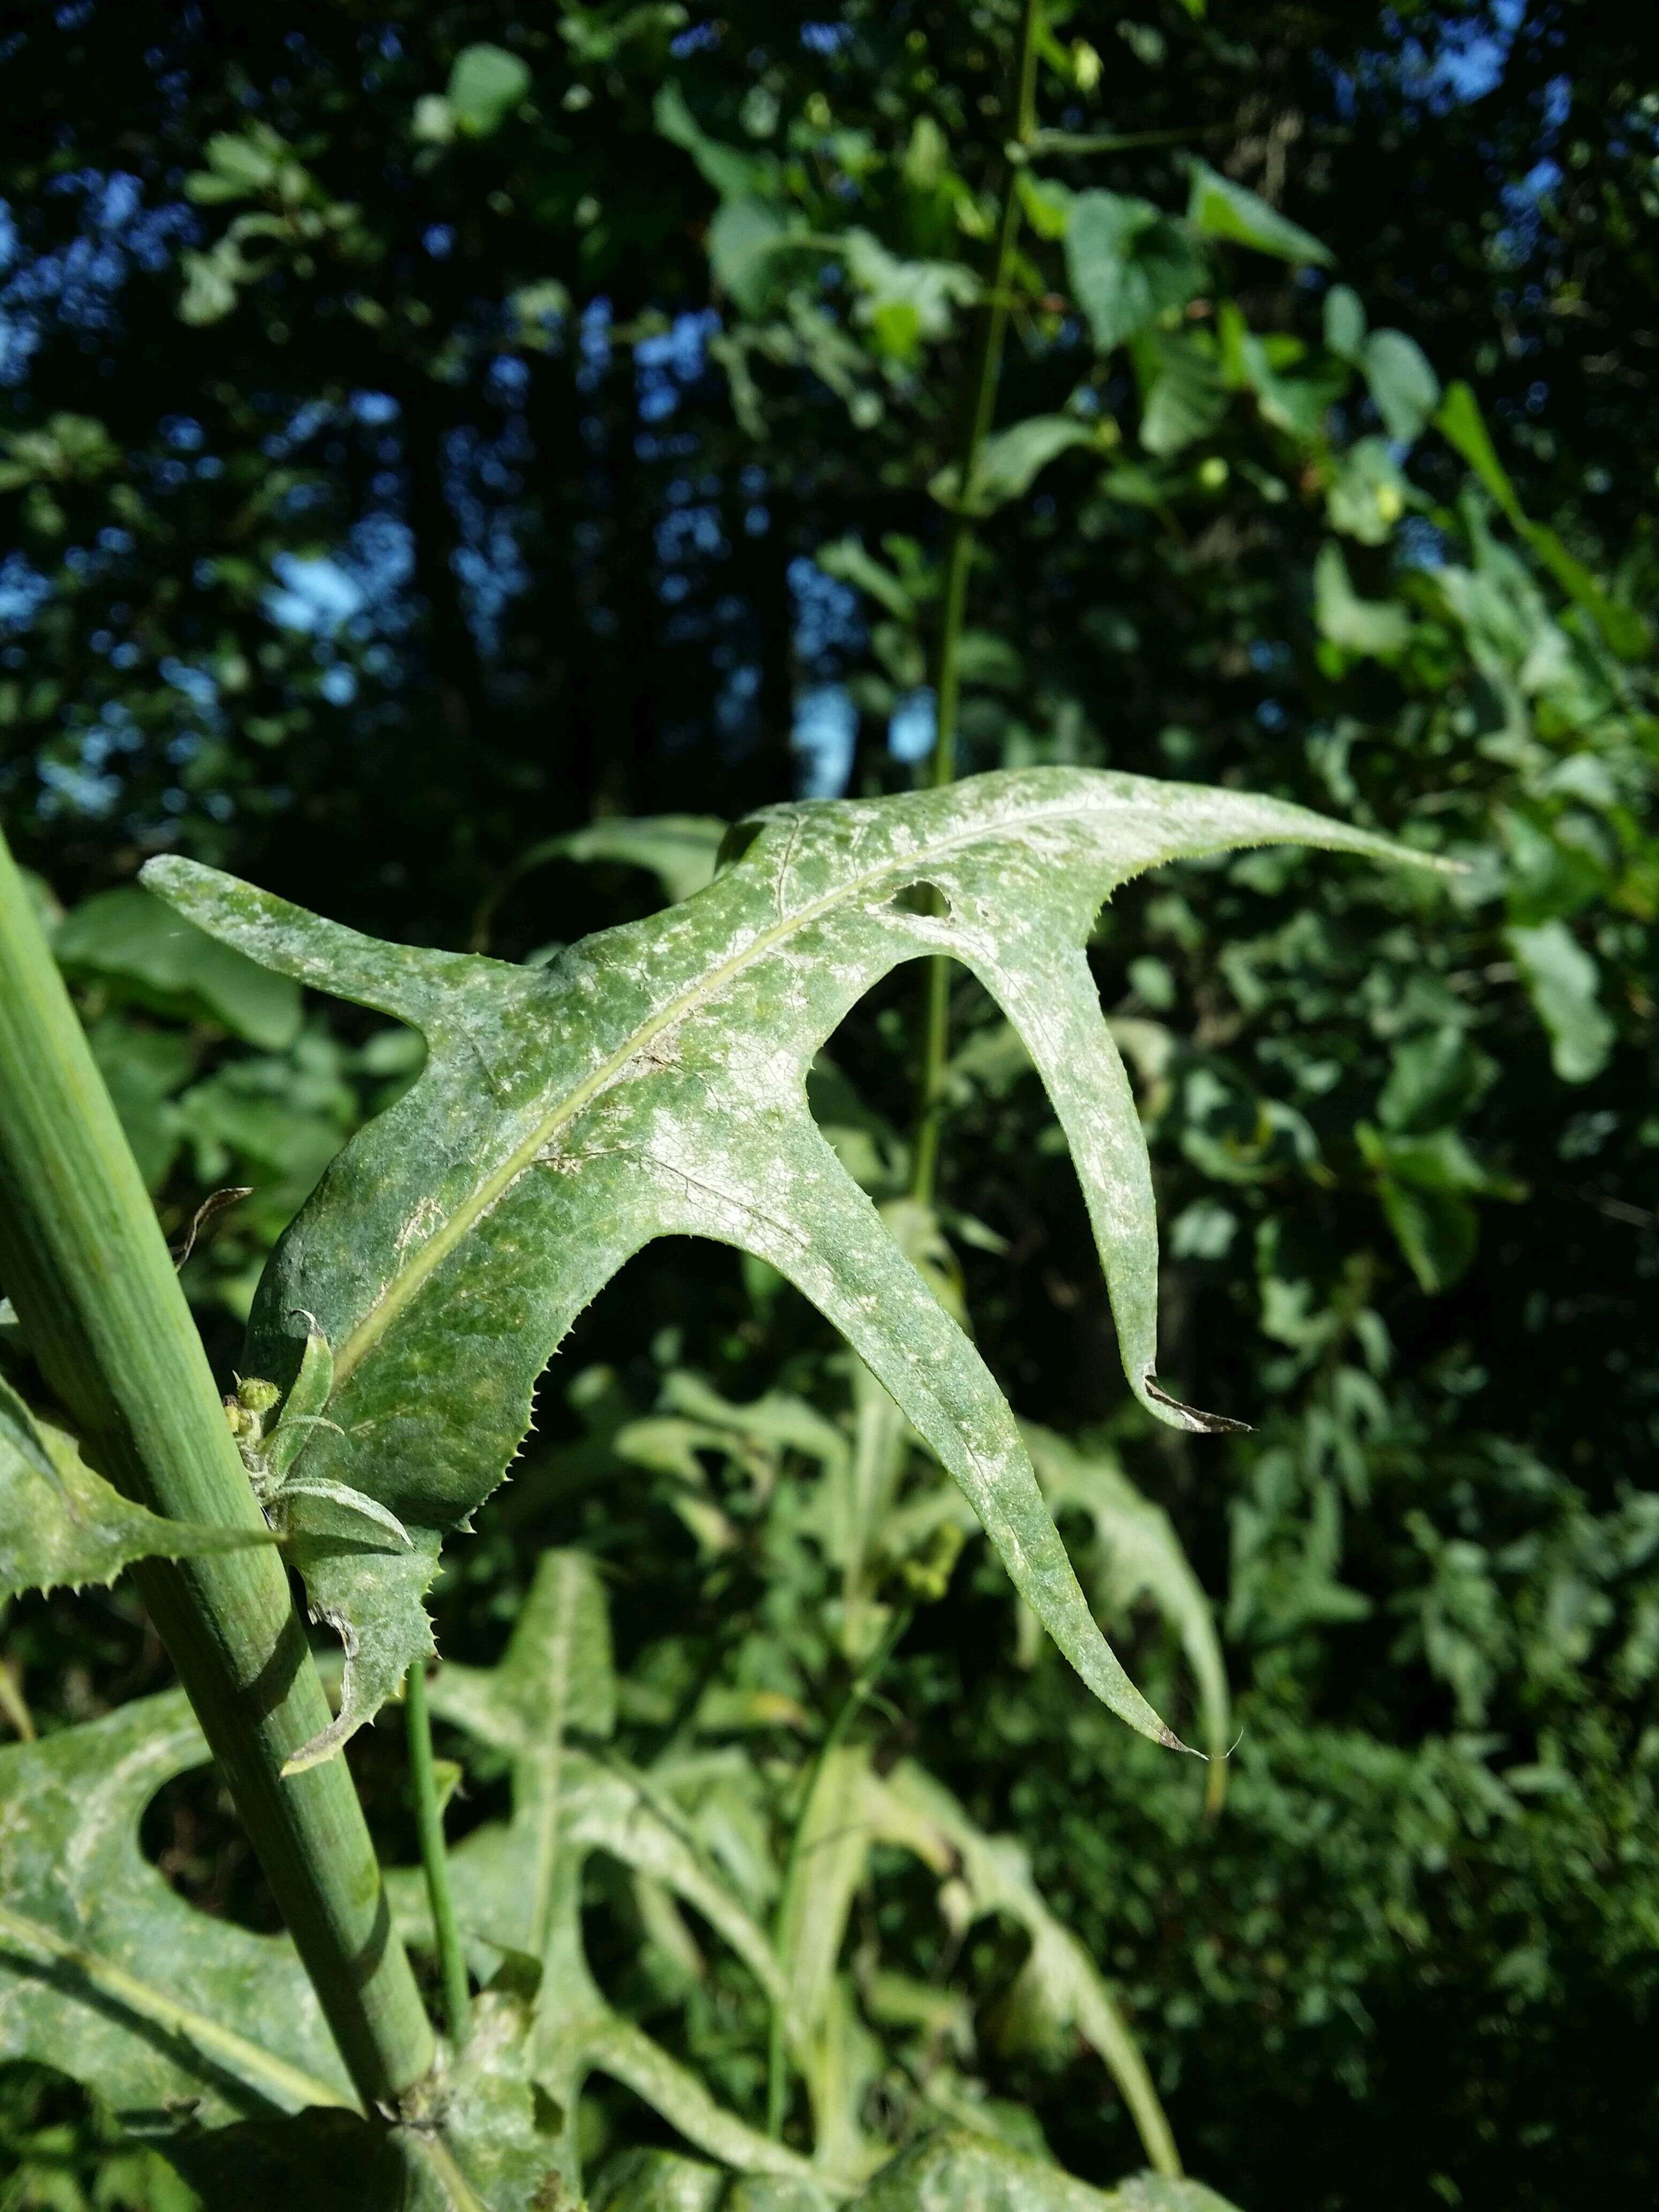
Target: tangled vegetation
521,431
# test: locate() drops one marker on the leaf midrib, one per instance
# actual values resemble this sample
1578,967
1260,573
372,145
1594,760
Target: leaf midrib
256,2069
405,1285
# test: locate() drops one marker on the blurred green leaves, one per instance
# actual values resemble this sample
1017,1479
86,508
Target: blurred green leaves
1562,979
1129,264
1462,422
70,448
1010,462
1219,207
486,86
1425,1183
1183,392
1376,629
141,953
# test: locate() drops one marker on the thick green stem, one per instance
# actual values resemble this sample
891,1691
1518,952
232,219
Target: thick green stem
777,2055
961,543
84,1260
430,1820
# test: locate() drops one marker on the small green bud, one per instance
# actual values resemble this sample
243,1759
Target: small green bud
240,1422
256,1397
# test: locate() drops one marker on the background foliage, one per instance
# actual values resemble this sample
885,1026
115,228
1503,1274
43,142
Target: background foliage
426,437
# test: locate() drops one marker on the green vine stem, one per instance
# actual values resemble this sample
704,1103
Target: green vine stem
84,1260
858,1696
429,1821
961,543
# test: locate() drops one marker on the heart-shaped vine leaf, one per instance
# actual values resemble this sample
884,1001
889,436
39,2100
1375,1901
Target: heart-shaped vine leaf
651,1082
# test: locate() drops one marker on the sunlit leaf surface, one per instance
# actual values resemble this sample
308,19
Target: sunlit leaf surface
651,1082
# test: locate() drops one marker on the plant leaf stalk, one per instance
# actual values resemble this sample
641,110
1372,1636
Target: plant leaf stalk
84,1260
961,541
429,1823
858,1696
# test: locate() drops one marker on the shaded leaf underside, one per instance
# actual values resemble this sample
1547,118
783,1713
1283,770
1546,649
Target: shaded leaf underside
652,1082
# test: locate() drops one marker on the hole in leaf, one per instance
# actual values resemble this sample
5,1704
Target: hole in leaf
191,1834
921,897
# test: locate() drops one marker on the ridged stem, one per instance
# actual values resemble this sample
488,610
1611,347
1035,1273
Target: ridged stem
84,1261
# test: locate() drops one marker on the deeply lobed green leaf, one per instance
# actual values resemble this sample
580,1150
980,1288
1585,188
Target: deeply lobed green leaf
652,1082
518,1883
169,2016
519,1886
